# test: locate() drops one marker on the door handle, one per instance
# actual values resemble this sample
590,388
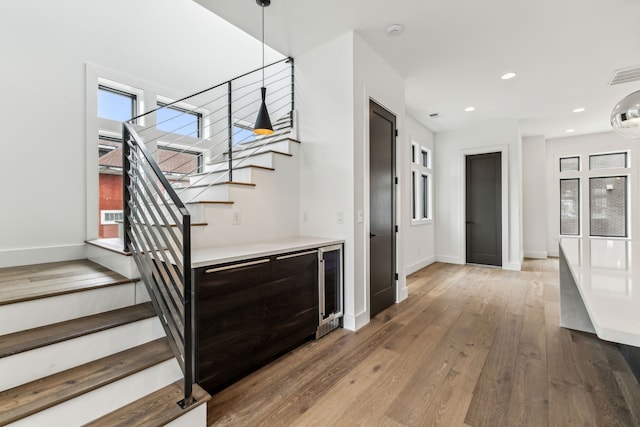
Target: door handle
371,235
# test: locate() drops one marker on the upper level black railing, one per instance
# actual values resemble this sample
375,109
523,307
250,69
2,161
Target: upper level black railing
211,131
169,155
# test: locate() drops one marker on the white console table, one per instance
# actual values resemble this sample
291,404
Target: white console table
600,291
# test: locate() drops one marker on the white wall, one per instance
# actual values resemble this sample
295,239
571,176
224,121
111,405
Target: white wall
451,148
324,104
584,145
419,238
333,119
375,79
45,45
534,196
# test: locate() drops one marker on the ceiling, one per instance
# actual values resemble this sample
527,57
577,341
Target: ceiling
453,52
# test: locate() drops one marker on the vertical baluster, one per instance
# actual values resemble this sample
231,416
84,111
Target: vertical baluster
292,94
126,180
230,130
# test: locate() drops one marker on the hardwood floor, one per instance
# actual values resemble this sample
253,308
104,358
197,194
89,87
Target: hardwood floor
471,346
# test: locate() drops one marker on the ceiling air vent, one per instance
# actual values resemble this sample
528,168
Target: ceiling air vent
625,75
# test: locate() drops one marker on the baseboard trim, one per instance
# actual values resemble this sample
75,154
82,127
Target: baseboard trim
420,265
353,323
41,255
403,294
449,259
535,254
512,266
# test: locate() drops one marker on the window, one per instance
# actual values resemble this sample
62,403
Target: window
414,196
608,206
426,160
115,104
109,152
607,161
111,217
177,161
421,202
426,190
606,185
242,134
568,164
178,120
570,206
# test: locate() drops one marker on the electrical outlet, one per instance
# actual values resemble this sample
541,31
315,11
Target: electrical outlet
360,216
235,218
340,217
305,216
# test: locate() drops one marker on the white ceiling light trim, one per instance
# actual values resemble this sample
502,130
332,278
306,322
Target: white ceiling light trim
508,76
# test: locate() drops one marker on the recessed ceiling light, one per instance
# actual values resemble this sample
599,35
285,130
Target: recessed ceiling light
578,110
470,109
508,76
395,29
570,130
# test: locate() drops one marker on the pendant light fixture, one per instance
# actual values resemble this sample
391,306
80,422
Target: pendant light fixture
263,122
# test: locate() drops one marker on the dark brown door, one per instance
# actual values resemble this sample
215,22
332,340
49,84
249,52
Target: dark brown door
382,249
484,208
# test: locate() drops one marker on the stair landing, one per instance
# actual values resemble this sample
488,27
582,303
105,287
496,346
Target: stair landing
25,283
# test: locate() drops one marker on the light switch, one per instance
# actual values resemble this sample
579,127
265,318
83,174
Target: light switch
340,217
235,218
360,216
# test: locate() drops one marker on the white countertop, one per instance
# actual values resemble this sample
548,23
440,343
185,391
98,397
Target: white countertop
607,274
223,254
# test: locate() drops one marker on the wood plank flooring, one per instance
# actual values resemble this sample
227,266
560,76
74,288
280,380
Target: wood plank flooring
471,346
29,282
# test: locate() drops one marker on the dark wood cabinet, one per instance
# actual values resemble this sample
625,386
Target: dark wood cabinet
251,311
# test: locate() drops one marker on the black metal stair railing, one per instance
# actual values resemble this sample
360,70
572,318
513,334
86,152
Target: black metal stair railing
161,153
158,234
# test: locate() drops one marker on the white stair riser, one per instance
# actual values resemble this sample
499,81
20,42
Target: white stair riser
32,314
31,365
101,401
196,417
242,175
281,146
262,159
216,192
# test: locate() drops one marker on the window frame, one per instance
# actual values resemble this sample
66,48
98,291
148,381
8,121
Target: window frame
421,168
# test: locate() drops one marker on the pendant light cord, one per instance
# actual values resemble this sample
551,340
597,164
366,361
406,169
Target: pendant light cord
263,45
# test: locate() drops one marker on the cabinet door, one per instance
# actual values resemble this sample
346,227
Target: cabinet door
232,320
293,299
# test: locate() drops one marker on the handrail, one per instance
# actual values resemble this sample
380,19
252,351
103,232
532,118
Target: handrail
162,255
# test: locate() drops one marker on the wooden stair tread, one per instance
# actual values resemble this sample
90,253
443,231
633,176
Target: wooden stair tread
210,202
43,393
30,339
113,244
154,410
31,282
246,184
235,169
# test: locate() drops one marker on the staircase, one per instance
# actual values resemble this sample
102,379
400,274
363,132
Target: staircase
82,345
